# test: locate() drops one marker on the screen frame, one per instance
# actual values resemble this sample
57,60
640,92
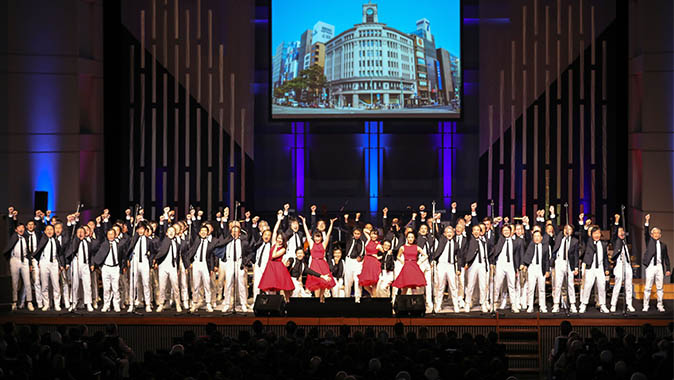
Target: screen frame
360,117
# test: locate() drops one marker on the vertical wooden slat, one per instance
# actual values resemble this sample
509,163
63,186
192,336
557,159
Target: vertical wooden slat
243,154
524,35
500,115
512,71
535,157
489,150
210,39
581,80
142,39
513,138
232,121
176,20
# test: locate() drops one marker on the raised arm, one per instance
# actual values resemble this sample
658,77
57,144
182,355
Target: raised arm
279,219
327,238
647,235
306,231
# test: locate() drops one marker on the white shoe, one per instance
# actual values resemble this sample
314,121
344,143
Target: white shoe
357,299
148,309
57,308
13,306
130,309
661,308
45,308
457,309
105,309
186,305
515,310
612,308
555,308
209,308
117,309
485,309
582,308
161,307
95,305
466,308
630,309
530,309
178,308
89,308
603,309
645,309
573,308
436,310
543,309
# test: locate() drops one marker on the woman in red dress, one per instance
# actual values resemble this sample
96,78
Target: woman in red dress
369,275
317,246
276,277
411,276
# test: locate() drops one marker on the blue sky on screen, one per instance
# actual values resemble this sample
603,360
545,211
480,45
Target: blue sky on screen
290,18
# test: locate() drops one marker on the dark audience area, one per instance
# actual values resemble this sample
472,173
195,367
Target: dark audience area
257,353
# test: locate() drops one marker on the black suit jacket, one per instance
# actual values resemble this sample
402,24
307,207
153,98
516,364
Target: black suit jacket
163,251
591,250
572,251
442,243
42,248
651,251
211,260
471,250
104,250
544,262
150,246
516,254
74,246
13,240
299,268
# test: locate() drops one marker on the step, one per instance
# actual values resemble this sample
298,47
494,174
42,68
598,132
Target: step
522,356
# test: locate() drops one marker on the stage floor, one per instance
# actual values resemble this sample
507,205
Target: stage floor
592,317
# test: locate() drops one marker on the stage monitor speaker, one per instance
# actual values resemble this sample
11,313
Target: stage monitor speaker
41,199
5,293
269,305
410,305
339,307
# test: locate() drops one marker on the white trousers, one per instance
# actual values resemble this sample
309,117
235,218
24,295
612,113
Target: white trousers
184,287
168,274
477,275
535,279
338,290
428,290
384,284
139,272
257,276
110,285
81,274
20,270
299,290
445,276
655,274
593,275
35,272
232,268
201,279
352,269
505,271
622,274
49,275
563,274
523,290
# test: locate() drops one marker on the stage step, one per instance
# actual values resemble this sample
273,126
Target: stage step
522,350
639,290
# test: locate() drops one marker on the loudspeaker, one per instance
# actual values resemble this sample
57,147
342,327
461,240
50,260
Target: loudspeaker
410,305
5,293
269,305
41,198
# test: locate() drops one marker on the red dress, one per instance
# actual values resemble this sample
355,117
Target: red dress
276,276
319,265
411,275
371,266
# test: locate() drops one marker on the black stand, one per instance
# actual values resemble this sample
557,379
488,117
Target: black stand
73,304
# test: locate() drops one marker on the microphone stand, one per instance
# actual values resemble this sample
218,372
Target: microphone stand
73,305
132,274
624,261
235,274
491,289
565,305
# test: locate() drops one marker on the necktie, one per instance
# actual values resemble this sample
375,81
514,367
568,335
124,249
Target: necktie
508,250
202,249
297,240
141,250
596,257
451,252
626,251
113,248
235,253
259,260
30,243
21,247
564,247
173,255
83,248
538,250
51,250
657,249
